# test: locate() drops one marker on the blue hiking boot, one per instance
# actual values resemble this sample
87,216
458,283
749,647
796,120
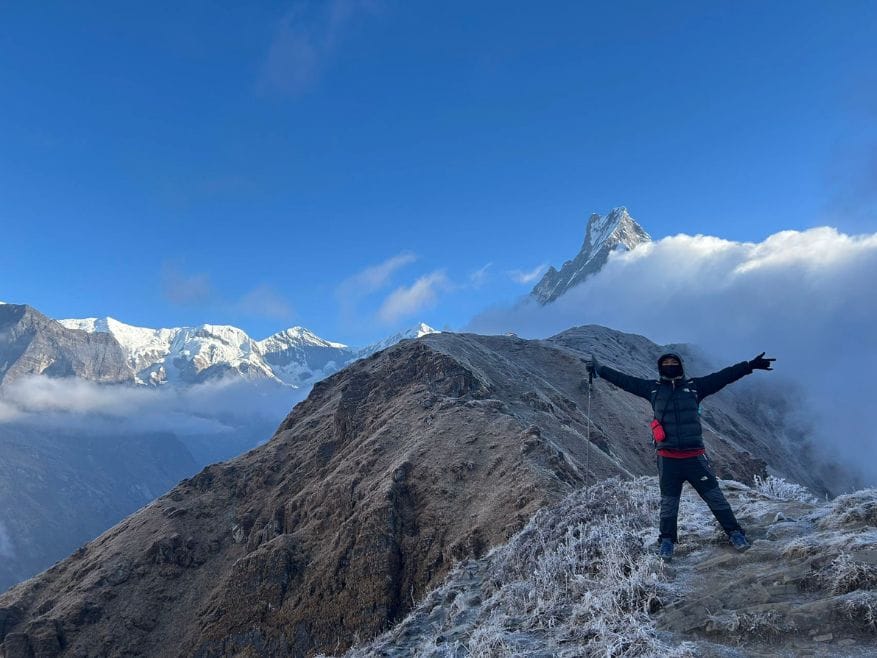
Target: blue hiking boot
666,550
739,541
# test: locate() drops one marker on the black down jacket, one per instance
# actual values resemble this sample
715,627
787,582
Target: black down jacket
675,402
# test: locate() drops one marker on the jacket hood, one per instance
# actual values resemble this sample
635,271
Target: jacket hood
675,356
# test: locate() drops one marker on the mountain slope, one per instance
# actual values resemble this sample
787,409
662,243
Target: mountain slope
389,473
605,234
59,488
32,344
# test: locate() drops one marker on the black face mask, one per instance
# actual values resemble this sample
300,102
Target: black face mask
671,371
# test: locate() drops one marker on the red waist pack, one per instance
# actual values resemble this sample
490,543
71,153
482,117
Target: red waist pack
658,433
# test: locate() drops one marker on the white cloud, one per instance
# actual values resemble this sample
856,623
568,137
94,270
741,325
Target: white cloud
184,289
527,277
305,38
264,301
479,277
809,298
375,277
372,279
409,300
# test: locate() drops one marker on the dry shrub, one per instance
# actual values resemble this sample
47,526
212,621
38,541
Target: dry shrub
780,489
581,575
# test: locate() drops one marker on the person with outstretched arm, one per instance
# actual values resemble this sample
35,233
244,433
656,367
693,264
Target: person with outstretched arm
678,437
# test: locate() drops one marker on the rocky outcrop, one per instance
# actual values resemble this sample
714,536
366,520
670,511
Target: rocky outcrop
32,344
391,471
616,231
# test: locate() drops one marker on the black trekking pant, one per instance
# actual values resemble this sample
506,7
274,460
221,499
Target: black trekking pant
672,474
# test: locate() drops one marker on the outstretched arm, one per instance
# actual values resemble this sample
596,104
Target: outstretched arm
636,385
718,380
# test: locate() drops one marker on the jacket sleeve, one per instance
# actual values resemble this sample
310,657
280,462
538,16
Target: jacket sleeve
718,380
636,385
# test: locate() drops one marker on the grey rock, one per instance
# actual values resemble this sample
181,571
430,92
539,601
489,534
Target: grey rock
32,344
615,231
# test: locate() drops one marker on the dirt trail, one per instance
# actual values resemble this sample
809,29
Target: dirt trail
806,587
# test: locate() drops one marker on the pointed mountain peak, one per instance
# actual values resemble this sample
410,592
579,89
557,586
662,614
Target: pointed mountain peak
615,231
422,329
297,335
617,226
418,330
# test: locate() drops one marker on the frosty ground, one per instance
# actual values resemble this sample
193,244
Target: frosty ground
582,579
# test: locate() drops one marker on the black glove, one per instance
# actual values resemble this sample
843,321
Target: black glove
760,363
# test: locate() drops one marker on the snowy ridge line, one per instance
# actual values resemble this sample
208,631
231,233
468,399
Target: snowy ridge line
293,357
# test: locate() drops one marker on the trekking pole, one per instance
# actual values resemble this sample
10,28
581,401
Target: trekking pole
588,440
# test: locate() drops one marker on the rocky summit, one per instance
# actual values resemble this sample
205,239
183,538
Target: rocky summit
392,471
32,344
615,231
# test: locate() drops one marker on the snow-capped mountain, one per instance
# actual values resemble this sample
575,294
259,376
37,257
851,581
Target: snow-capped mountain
188,355
411,334
617,231
297,356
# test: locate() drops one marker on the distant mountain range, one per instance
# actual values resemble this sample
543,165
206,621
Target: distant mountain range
108,351
617,231
190,355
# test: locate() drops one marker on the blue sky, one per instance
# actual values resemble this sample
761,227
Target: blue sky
350,165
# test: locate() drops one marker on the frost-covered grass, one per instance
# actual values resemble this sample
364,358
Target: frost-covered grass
844,574
583,575
763,625
861,608
851,509
780,489
581,579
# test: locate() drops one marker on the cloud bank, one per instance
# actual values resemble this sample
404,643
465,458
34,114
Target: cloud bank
807,297
216,408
